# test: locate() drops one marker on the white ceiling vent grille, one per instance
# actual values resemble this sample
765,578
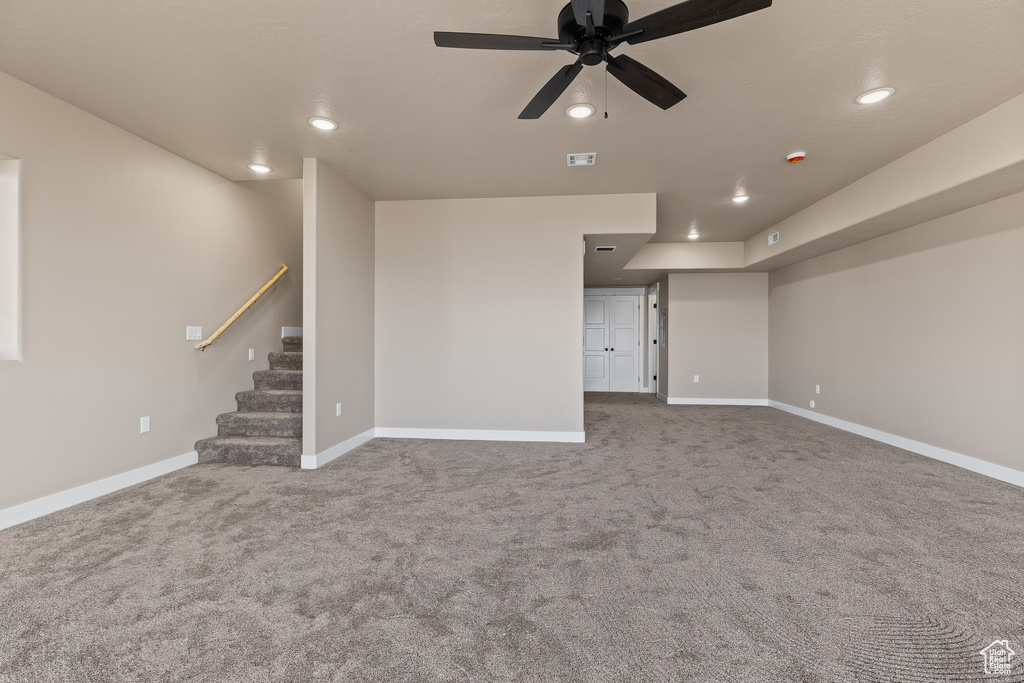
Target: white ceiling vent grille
604,248
773,238
587,159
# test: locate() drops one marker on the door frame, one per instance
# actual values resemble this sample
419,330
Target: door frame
653,298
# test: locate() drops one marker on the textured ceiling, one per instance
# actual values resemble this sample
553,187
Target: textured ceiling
227,82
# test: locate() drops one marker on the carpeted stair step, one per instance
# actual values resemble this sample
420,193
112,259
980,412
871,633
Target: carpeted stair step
277,379
251,450
269,401
267,429
288,360
260,424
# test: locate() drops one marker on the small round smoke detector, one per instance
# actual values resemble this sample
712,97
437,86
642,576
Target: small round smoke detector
796,157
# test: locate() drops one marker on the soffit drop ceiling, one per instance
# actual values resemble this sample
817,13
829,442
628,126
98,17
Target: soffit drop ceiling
227,82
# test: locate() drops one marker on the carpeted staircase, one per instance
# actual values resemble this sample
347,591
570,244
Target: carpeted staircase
267,429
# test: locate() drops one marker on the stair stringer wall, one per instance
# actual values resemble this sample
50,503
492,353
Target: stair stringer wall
338,310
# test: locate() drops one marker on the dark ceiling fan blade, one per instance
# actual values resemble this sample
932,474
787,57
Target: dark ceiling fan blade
551,90
490,41
644,82
595,7
689,15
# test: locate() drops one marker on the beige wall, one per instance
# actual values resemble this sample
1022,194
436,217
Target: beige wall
338,309
919,333
718,330
123,245
480,309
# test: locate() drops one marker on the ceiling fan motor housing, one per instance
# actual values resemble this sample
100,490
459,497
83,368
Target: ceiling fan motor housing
592,51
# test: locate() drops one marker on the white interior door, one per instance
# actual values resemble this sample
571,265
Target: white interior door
625,343
611,343
596,374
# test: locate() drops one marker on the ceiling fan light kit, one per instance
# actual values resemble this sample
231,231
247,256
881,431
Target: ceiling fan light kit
591,29
580,111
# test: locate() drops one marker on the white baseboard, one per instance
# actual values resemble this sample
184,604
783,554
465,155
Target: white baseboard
291,332
479,435
989,469
715,401
80,494
661,397
311,462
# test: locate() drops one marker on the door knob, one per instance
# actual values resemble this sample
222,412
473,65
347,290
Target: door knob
613,348
606,348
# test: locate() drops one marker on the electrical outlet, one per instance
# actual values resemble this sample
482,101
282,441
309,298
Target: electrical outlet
193,333
143,424
817,388
337,410
252,354
696,378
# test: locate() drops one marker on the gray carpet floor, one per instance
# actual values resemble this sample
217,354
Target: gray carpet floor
680,543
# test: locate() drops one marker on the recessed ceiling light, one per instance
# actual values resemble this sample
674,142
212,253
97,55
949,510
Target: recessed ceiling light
876,95
323,123
260,168
693,235
580,111
739,199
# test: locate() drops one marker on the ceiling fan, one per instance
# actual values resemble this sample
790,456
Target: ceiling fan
593,28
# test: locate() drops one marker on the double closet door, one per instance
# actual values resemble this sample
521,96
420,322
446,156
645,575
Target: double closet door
611,343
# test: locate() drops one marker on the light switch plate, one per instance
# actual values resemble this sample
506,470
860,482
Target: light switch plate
193,333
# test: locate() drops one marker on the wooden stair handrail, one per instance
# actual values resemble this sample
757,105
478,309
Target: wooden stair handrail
206,342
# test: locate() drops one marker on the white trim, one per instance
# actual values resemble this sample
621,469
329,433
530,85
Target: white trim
651,333
291,332
613,291
717,401
479,434
311,462
80,494
989,469
661,397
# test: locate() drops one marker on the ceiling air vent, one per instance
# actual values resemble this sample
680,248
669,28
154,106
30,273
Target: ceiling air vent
587,159
773,238
604,248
